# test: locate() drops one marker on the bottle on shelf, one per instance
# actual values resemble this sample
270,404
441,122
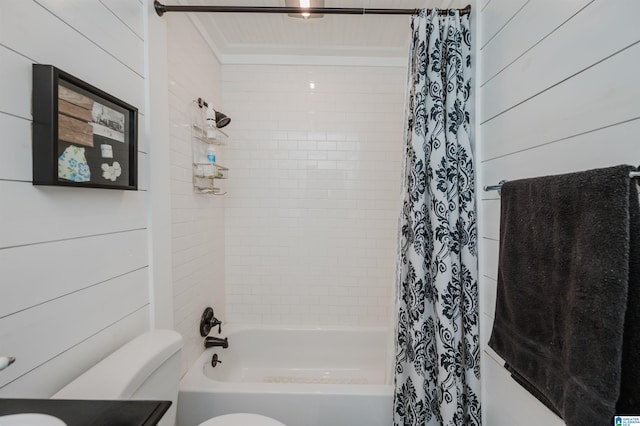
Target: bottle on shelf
211,154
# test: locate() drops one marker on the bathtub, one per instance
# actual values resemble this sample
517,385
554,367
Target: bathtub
299,376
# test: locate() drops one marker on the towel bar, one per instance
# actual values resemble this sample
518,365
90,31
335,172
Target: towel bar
498,187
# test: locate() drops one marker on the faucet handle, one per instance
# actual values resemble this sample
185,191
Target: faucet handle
216,321
215,361
208,321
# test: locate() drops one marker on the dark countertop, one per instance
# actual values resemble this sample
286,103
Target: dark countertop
90,412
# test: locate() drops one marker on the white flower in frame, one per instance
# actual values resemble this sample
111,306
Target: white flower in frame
111,172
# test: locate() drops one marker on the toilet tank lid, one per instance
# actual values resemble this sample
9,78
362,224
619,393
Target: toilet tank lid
122,372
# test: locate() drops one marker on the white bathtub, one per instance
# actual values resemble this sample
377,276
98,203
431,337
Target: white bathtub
299,376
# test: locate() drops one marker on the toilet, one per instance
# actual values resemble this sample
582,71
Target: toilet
147,367
241,420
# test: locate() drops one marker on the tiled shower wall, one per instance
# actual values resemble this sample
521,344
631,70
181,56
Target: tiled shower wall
197,229
313,194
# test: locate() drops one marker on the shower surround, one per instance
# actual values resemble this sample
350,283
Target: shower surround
313,196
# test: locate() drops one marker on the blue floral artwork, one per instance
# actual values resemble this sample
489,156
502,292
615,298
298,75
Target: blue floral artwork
72,165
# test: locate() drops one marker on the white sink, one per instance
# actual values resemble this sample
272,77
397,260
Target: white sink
30,419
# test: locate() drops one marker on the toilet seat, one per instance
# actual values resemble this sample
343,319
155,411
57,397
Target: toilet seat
241,419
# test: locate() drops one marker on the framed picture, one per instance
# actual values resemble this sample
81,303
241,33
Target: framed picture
82,136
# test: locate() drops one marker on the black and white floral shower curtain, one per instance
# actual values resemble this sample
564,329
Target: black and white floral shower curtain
437,369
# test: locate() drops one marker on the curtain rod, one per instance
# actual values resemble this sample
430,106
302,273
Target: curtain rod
161,9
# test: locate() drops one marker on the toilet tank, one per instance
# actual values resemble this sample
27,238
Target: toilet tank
147,367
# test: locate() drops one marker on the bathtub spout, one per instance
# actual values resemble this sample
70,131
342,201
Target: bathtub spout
210,342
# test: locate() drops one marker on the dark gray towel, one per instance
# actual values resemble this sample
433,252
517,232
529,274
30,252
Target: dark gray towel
569,263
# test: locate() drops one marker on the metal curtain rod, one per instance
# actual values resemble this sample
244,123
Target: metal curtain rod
498,187
161,9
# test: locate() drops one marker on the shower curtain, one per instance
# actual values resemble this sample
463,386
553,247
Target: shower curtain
437,366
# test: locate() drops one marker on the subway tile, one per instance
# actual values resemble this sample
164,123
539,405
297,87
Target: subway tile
307,145
312,227
318,155
327,146
327,165
316,136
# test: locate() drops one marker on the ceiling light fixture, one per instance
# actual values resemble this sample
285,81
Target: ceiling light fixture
305,4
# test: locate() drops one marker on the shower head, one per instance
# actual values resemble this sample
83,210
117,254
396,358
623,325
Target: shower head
221,120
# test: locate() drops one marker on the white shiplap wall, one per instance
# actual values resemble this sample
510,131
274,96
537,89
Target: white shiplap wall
557,94
313,198
197,229
74,261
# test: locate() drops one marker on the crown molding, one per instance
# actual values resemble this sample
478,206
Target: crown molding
321,60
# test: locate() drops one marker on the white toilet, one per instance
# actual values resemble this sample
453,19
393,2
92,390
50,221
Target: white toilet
148,367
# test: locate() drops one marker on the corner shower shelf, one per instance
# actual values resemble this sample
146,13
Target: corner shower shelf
200,133
205,173
204,176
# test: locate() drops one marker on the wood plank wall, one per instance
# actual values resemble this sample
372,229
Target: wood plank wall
73,261
557,94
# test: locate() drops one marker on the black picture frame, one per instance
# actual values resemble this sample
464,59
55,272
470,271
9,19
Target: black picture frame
82,136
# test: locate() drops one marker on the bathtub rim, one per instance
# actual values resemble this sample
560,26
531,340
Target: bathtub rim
230,328
195,379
